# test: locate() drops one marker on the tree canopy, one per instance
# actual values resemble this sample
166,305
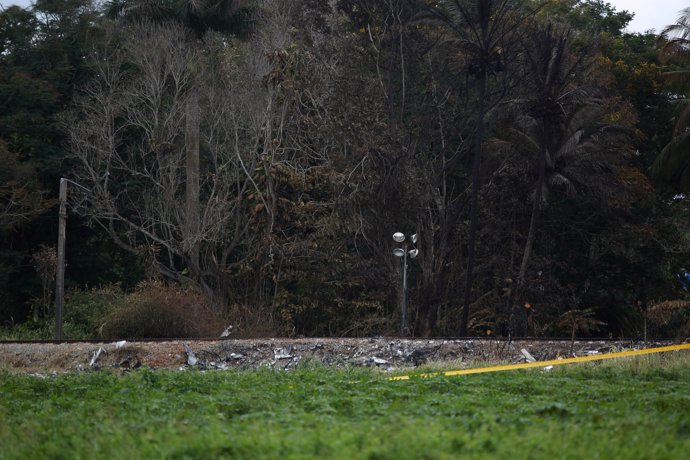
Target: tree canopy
256,157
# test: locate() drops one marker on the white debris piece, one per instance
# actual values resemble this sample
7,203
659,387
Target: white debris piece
96,355
548,368
379,361
527,355
592,352
120,344
191,358
282,353
226,332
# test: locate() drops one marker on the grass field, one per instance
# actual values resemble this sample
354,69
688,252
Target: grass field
637,408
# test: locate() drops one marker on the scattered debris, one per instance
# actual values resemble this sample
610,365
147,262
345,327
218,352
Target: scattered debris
130,362
382,353
373,361
191,357
96,355
527,355
226,332
548,368
282,353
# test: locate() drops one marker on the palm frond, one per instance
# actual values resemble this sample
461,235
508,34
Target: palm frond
681,29
570,145
671,169
523,140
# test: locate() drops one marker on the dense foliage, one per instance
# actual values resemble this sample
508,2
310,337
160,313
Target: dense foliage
261,154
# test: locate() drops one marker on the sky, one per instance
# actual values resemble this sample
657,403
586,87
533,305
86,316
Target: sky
649,14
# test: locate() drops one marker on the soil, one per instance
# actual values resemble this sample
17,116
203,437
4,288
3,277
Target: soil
386,353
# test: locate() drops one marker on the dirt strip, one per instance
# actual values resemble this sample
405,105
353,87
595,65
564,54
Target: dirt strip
384,353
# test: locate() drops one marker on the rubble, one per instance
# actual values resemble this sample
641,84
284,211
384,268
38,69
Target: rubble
383,353
191,357
527,355
96,355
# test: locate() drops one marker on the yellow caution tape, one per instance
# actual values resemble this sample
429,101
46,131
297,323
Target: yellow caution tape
553,362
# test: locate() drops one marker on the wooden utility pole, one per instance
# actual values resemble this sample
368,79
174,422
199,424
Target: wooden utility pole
60,272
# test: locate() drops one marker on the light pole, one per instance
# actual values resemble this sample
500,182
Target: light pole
60,272
403,252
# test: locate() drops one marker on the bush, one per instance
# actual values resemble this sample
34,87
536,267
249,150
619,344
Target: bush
158,310
30,330
87,309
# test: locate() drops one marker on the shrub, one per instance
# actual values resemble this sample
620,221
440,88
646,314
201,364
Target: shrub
158,310
87,309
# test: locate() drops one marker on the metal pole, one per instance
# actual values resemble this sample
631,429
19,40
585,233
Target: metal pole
403,325
60,275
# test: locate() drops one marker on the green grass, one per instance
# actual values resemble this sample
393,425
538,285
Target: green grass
637,409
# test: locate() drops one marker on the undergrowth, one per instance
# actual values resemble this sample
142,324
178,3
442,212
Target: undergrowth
635,408
153,310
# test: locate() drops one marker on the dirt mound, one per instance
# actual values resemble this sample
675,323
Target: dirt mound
385,353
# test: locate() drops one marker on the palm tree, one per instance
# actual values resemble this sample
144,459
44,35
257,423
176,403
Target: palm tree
671,169
199,17
479,29
562,127
549,70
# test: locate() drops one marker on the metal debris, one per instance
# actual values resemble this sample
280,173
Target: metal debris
96,356
282,353
226,333
191,357
373,361
527,355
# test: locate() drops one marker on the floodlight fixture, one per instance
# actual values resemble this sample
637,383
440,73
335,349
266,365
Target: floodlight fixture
403,253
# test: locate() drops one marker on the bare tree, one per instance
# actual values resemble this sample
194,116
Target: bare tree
127,133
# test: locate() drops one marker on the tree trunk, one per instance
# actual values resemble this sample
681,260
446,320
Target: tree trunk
534,221
476,169
192,184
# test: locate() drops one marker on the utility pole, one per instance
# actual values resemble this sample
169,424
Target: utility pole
60,272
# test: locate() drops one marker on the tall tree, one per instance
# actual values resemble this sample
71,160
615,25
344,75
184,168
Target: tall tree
671,169
42,51
199,17
549,73
480,30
